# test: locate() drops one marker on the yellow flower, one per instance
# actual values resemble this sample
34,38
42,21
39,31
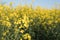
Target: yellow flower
49,21
16,30
17,22
27,36
3,38
7,31
6,23
11,15
11,3
21,39
20,26
22,31
1,7
26,25
15,14
4,33
44,23
56,21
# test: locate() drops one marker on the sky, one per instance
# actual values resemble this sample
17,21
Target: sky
42,3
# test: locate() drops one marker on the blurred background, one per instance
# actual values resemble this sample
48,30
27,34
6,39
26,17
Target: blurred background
43,3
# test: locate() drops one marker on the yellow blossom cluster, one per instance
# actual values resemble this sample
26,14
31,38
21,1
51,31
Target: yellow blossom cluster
18,20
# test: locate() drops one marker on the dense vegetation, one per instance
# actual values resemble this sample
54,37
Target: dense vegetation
27,23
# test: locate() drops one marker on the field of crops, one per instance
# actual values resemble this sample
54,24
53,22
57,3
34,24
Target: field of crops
27,23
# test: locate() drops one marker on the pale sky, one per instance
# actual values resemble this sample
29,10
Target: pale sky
42,3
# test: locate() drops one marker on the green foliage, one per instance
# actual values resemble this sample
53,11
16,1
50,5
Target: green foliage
26,23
